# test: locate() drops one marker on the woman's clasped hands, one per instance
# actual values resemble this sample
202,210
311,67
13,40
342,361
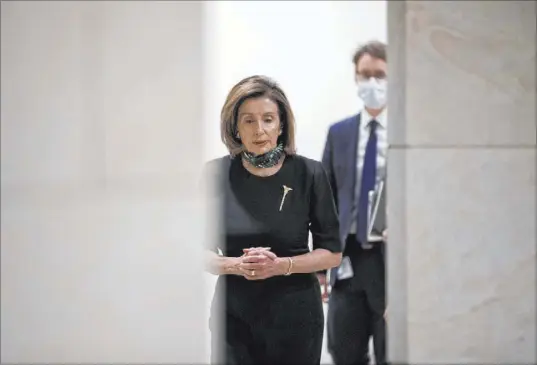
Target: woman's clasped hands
259,263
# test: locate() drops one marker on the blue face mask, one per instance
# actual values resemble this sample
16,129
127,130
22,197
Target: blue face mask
373,93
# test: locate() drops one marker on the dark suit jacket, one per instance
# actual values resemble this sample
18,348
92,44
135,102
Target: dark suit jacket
339,160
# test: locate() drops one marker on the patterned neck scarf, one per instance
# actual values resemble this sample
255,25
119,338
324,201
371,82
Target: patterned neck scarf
269,159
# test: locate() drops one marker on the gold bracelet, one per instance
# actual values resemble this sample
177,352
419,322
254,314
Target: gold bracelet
291,262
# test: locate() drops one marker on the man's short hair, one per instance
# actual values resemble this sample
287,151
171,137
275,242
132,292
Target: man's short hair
376,49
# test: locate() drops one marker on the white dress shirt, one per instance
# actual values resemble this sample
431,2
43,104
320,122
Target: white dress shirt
382,150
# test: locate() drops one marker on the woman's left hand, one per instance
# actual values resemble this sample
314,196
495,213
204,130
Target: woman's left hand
260,263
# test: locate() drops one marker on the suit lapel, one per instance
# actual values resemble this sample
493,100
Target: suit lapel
355,137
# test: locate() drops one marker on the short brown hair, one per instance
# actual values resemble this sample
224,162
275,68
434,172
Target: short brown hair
254,87
376,49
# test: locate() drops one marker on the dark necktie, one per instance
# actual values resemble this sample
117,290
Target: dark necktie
369,174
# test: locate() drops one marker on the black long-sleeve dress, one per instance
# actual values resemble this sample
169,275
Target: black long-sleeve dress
279,320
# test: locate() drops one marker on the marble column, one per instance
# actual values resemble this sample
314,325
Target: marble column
462,188
102,220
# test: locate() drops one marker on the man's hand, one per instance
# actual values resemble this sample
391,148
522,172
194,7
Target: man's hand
324,287
385,235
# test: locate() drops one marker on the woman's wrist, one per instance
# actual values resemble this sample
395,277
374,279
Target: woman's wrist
230,266
285,265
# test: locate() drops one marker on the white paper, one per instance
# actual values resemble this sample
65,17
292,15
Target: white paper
344,270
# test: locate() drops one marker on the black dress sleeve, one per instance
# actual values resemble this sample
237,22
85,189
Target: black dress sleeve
324,222
328,165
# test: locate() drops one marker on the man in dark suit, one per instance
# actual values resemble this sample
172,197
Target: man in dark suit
355,160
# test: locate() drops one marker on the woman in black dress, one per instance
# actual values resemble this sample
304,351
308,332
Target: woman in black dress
267,294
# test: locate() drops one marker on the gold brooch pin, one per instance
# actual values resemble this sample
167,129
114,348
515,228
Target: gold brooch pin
286,189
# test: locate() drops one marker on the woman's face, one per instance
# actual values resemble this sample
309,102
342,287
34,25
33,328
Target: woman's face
259,124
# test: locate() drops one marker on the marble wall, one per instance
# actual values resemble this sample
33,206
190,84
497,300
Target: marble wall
461,262
102,218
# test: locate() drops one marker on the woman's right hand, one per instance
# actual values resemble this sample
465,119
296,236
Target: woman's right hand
256,251
233,265
259,263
